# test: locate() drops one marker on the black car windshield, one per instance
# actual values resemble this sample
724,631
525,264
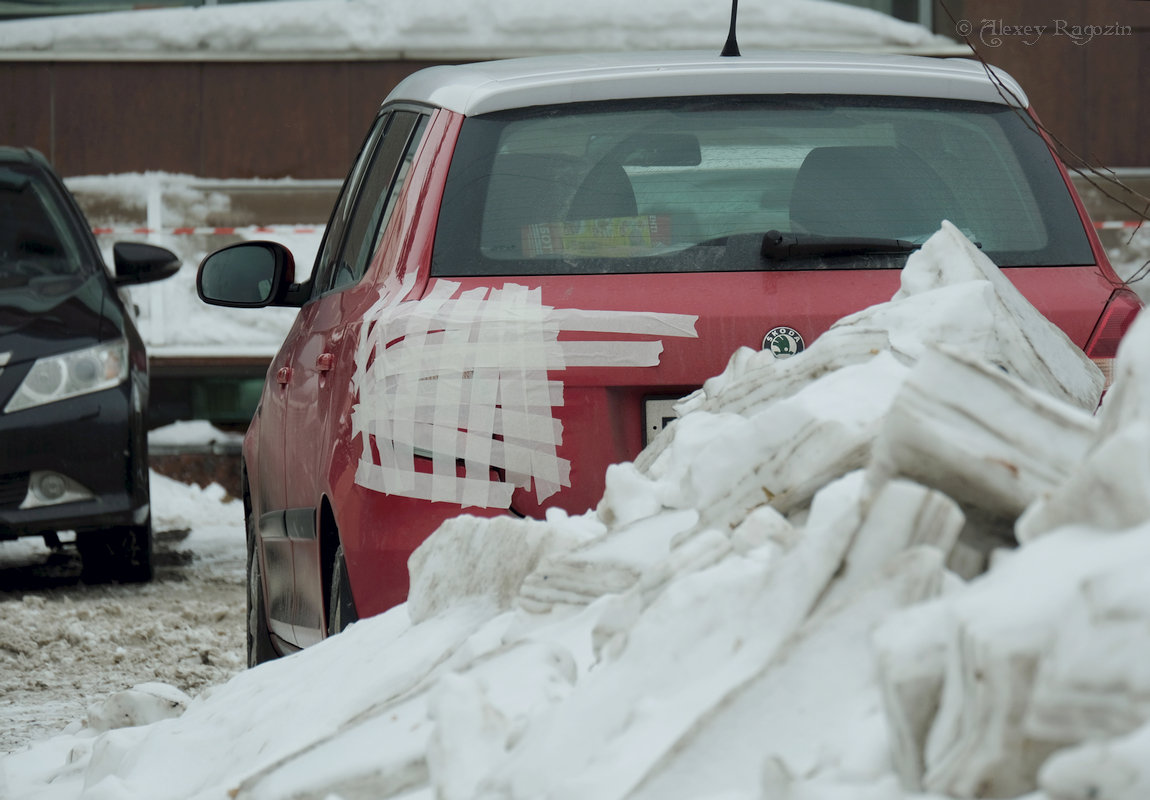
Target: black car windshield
697,184
36,241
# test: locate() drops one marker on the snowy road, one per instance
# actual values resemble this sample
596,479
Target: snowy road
65,645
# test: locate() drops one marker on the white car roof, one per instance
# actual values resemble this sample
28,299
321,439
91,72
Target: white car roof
544,80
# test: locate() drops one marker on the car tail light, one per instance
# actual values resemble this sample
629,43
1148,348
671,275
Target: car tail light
1102,346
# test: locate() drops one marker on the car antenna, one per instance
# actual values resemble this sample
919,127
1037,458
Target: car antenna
731,48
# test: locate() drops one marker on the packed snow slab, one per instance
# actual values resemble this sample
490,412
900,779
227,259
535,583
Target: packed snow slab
726,625
459,30
1107,487
956,425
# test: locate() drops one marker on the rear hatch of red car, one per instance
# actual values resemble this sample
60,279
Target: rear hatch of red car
663,235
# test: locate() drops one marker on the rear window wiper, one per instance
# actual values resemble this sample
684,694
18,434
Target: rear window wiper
783,246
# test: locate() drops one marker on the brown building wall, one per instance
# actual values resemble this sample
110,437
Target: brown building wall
301,119
1090,87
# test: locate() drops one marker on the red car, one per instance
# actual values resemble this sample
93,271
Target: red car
530,259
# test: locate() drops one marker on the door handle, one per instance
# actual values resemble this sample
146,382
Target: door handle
324,361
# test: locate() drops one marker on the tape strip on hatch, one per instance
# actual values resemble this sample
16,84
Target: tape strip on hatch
444,374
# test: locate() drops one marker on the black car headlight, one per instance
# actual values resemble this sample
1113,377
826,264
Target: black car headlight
72,374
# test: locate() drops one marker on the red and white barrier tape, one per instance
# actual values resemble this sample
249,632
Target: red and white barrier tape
221,231
1116,223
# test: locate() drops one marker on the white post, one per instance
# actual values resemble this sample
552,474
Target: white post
157,322
926,14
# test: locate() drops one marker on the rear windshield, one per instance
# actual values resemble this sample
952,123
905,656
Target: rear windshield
36,239
696,184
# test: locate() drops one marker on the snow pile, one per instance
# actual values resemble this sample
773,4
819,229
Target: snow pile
143,704
766,604
192,432
180,506
459,30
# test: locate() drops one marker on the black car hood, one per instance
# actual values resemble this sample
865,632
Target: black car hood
50,315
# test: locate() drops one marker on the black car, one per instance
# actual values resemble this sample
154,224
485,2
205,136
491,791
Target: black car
73,377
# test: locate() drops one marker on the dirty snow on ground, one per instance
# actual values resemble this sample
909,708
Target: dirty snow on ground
65,650
464,30
797,591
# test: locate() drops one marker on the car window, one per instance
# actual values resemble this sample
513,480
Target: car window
694,184
377,194
345,204
35,237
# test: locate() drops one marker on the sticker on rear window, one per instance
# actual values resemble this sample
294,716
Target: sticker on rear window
611,236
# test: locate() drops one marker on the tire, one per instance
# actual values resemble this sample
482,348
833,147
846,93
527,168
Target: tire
341,606
122,554
260,648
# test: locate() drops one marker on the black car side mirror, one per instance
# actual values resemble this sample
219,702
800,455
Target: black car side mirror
137,262
248,275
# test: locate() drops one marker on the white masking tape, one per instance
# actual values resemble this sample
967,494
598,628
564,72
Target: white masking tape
448,373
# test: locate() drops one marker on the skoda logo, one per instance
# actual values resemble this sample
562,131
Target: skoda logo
784,342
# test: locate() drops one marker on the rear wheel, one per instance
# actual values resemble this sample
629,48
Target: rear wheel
260,647
341,607
123,554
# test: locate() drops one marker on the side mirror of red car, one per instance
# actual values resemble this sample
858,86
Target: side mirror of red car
248,275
